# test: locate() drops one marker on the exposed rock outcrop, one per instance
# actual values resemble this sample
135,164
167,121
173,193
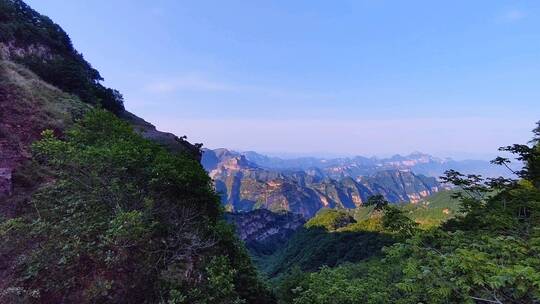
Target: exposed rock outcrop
168,140
264,231
245,186
5,182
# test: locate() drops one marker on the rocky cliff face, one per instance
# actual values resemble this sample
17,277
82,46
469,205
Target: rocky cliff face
246,186
264,231
400,185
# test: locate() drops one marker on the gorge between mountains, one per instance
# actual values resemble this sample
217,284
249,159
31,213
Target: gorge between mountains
248,180
97,205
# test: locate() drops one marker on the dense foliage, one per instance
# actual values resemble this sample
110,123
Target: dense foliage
41,45
311,248
123,220
331,238
331,219
334,237
489,253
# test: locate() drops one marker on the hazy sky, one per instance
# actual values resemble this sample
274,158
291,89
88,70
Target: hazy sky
458,78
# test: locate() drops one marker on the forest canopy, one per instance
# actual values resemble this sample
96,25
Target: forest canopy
489,253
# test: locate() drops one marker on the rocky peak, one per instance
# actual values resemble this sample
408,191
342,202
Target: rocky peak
237,163
244,186
211,159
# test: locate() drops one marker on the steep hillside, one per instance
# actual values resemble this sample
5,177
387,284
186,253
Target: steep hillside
336,236
331,238
400,185
120,219
246,186
36,42
96,205
264,231
28,106
46,84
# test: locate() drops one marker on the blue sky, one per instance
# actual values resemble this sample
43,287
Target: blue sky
374,77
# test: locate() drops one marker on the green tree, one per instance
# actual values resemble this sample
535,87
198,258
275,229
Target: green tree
490,253
377,201
122,220
394,220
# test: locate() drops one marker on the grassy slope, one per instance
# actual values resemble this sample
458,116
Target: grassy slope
28,106
435,209
52,107
428,212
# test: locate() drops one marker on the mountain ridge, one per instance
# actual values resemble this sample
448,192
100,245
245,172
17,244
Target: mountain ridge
419,162
245,185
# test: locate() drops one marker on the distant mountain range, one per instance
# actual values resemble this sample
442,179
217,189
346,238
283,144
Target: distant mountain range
249,181
417,162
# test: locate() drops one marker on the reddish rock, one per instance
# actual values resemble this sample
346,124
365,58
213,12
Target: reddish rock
5,182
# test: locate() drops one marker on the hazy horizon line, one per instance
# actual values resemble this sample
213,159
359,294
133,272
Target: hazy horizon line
455,155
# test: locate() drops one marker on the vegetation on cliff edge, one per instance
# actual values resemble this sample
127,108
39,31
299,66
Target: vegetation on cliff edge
122,220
